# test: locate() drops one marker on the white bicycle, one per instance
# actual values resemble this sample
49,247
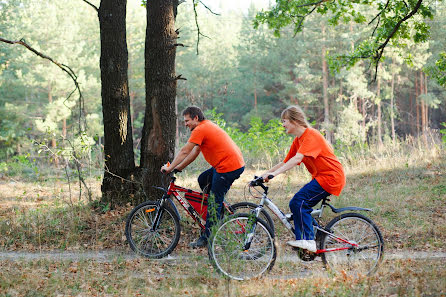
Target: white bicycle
243,245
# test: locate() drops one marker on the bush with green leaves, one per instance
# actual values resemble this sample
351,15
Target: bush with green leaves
262,145
443,132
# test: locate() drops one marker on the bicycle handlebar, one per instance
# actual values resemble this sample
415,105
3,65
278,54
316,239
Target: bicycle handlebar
172,172
258,180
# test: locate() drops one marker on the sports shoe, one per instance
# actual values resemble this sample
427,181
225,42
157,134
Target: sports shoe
309,245
201,242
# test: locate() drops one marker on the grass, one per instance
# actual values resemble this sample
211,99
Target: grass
196,278
405,187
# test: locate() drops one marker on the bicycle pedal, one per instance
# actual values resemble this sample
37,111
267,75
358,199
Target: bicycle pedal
305,255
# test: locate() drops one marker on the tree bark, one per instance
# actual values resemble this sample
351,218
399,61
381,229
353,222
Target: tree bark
392,114
417,93
158,138
118,138
378,107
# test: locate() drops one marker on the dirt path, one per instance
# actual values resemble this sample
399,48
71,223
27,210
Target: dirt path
110,255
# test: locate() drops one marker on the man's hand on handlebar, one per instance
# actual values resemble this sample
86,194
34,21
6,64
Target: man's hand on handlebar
166,169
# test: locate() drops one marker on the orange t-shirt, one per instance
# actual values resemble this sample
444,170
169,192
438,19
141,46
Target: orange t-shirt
217,147
320,160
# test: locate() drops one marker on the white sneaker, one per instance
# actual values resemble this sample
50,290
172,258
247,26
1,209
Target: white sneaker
309,245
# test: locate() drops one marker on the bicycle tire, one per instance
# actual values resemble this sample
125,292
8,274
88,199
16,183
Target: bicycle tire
247,207
358,228
225,248
152,244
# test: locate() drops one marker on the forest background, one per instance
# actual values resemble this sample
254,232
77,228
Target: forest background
243,77
389,134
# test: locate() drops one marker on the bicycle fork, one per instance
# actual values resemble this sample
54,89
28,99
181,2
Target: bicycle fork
251,227
159,213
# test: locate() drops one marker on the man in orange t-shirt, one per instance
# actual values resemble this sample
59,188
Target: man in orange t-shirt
220,151
311,148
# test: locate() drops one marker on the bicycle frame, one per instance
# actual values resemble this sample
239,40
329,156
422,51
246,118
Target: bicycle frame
285,219
175,190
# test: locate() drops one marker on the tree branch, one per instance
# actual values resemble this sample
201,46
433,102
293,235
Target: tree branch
92,5
303,17
196,23
380,49
313,3
380,13
64,68
207,7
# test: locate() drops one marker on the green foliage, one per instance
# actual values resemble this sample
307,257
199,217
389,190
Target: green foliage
439,70
21,165
12,124
263,144
349,132
443,131
396,21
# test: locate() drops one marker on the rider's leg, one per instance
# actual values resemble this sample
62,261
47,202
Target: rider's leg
205,180
301,206
221,182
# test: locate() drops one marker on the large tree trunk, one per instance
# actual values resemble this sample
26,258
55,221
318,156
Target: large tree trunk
118,142
158,138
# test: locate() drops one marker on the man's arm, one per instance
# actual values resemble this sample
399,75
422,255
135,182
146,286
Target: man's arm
190,158
182,154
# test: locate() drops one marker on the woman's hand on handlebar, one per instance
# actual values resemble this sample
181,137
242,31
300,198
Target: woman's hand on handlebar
267,176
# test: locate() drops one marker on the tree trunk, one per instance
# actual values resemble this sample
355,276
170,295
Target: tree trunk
118,138
427,106
378,107
50,100
325,89
423,110
158,138
417,93
392,114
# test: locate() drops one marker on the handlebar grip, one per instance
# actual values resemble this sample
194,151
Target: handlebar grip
270,176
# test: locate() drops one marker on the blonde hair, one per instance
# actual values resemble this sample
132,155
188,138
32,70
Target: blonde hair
295,114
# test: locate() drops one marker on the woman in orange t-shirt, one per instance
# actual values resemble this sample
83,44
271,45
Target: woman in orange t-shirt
311,148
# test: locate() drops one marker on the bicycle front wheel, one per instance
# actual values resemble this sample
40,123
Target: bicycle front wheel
148,240
361,258
247,207
226,247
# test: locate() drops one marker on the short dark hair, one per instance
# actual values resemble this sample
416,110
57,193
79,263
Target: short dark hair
194,111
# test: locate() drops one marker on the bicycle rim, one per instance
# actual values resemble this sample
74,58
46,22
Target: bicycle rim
358,261
227,254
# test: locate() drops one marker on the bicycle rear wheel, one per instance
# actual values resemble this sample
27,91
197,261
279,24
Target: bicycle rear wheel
150,243
226,248
247,207
362,259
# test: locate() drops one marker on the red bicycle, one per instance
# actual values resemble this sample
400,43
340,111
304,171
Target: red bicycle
153,227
